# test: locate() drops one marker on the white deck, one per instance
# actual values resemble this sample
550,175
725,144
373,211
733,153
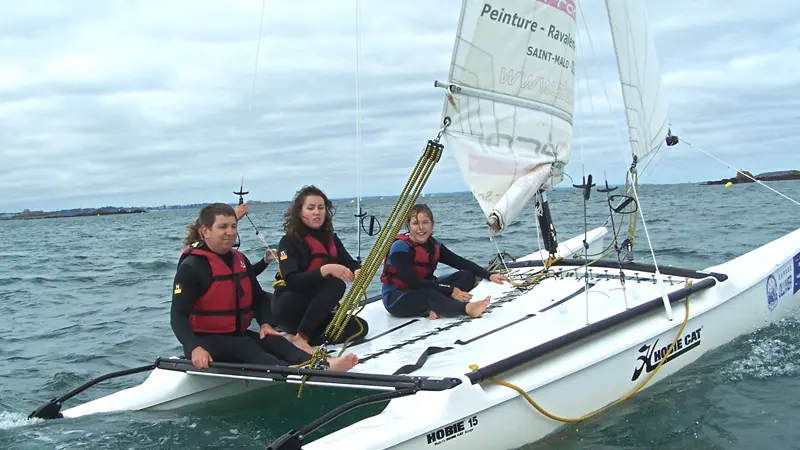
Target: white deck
501,333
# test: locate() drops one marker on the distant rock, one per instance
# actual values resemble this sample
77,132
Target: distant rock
27,214
747,177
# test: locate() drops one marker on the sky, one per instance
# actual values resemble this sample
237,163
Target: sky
149,102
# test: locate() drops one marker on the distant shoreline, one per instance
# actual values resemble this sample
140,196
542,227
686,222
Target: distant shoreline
747,177
82,212
37,215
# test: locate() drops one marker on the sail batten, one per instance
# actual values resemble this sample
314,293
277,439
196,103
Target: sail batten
512,100
509,100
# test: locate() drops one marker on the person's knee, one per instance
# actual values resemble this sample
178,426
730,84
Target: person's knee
335,286
465,280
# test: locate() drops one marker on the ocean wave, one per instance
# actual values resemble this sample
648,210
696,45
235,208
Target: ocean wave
10,419
158,265
771,352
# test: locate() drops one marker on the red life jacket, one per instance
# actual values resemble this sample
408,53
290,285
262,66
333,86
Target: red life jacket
319,254
424,263
230,294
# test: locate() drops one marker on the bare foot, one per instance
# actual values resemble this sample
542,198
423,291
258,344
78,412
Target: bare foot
476,309
343,363
432,315
302,344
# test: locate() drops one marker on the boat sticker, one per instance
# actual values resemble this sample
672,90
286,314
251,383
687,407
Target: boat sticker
452,431
780,283
796,273
651,354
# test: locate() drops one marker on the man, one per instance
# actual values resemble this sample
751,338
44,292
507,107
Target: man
216,295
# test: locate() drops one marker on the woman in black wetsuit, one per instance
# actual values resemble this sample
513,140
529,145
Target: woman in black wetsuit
409,286
313,267
216,295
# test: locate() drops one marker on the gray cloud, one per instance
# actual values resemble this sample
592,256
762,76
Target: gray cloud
148,102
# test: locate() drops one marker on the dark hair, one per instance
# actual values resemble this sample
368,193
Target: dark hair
416,209
206,217
292,223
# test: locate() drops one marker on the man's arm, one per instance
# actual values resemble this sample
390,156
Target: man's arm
186,289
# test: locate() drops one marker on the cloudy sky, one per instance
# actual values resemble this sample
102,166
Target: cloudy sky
151,102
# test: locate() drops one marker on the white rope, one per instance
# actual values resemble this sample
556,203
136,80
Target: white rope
358,106
499,255
739,171
255,67
250,108
662,288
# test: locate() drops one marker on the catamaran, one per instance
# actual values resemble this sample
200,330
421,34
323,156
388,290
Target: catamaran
574,332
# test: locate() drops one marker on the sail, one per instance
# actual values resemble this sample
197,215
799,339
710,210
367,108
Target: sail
510,100
640,76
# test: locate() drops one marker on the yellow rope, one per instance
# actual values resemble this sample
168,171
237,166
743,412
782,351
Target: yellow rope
380,248
622,399
351,304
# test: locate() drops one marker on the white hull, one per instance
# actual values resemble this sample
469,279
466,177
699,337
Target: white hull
581,378
166,389
169,389
564,380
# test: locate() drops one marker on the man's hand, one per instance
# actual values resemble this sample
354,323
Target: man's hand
201,358
266,330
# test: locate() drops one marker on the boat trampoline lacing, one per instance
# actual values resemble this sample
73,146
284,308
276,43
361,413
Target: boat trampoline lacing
544,412
354,299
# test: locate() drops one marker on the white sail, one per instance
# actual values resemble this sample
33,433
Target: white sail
639,74
511,100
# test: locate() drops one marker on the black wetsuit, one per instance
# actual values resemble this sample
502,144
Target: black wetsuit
194,278
429,294
260,266
306,303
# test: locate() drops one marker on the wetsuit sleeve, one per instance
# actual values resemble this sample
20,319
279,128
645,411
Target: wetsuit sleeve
186,289
457,262
260,266
291,255
262,308
344,256
403,261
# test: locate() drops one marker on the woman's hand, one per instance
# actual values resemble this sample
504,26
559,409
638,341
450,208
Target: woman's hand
241,211
337,270
460,295
271,255
498,278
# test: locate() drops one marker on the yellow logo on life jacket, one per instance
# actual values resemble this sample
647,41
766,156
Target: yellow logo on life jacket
177,289
283,256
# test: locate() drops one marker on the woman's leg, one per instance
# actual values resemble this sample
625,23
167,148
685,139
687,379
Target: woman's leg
462,279
318,312
420,302
289,308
